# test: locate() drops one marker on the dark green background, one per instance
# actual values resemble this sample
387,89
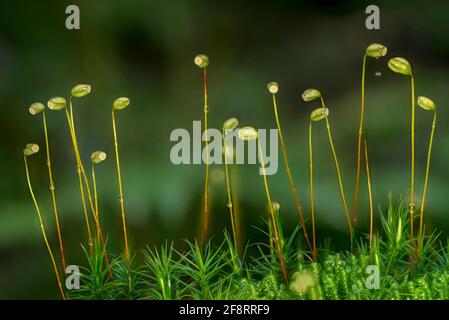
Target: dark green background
145,50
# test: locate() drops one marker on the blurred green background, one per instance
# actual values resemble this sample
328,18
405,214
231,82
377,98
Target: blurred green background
145,50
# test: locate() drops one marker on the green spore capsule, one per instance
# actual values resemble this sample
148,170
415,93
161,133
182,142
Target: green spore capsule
81,90
30,149
56,103
426,103
319,114
273,87
201,61
121,103
310,95
97,157
400,65
248,133
376,50
36,108
230,124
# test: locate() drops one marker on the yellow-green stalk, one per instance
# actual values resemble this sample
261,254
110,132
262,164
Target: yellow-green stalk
236,210
120,104
202,61
337,166
426,104
246,134
370,196
35,109
317,115
273,88
28,151
402,66
374,50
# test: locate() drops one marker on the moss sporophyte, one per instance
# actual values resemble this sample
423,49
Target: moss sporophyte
119,104
228,128
202,61
402,66
374,50
320,114
29,150
428,105
273,88
248,134
39,108
96,158
315,116
206,270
